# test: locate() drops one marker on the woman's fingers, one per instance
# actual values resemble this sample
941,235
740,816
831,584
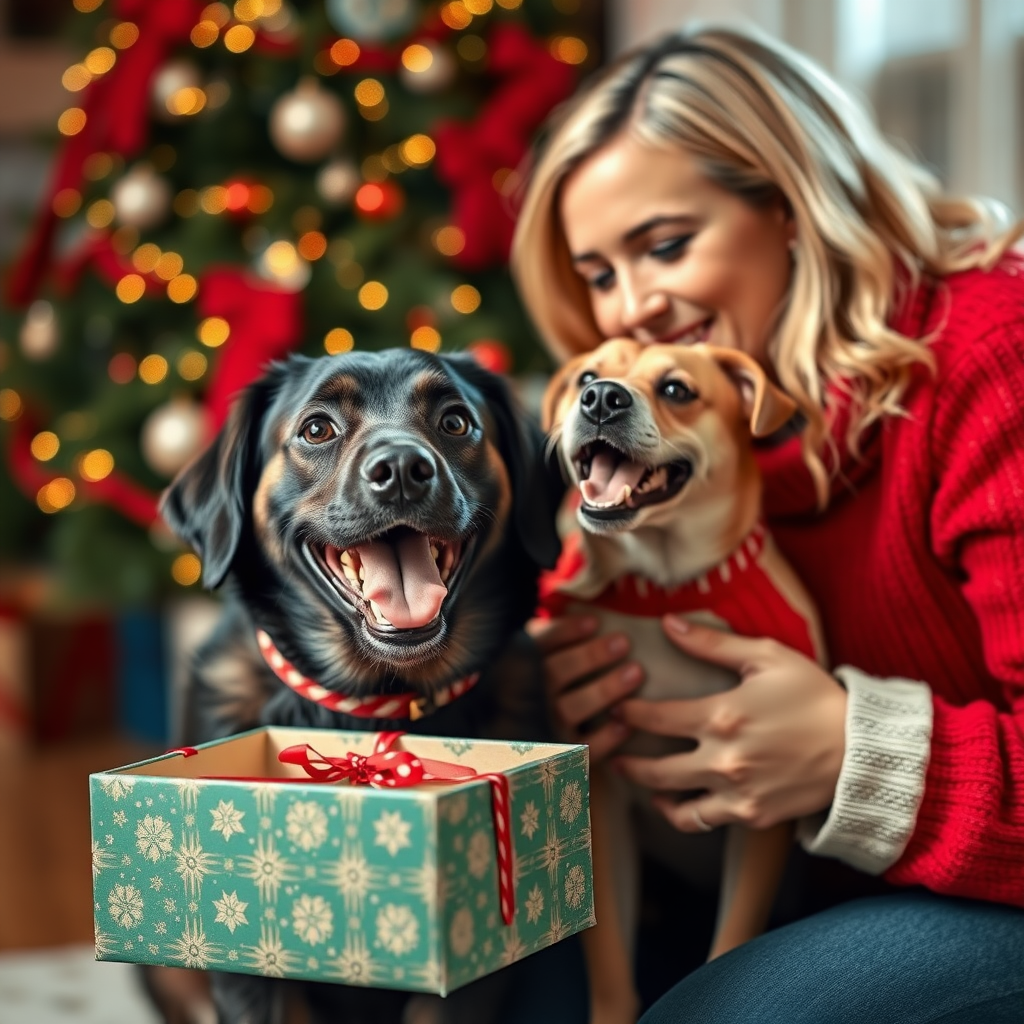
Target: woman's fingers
677,718
730,650
583,703
553,634
703,814
605,740
568,665
674,772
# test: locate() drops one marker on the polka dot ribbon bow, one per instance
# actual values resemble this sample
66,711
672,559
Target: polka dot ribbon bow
388,767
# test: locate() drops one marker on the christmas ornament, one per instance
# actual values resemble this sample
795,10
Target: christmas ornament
306,124
379,200
282,264
337,181
141,198
427,67
38,336
172,434
172,77
371,20
491,354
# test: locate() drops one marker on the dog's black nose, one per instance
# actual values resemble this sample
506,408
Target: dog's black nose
400,471
604,401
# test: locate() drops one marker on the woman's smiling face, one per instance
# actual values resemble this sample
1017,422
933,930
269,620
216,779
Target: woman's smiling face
671,257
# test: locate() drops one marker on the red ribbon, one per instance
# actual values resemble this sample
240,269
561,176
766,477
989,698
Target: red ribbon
265,322
384,768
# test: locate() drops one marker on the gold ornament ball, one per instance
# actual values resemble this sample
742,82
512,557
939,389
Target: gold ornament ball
308,123
141,198
172,434
337,181
38,337
172,77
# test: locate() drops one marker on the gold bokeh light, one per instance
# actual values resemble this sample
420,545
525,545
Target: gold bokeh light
96,465
465,299
338,340
45,445
182,289
192,365
427,339
213,331
131,288
152,369
373,295
186,569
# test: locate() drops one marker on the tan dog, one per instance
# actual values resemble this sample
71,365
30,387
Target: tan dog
658,441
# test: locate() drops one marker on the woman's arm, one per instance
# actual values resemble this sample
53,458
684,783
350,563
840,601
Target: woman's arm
970,825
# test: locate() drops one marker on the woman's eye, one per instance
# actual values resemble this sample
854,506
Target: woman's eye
318,430
677,391
587,377
455,423
601,282
671,248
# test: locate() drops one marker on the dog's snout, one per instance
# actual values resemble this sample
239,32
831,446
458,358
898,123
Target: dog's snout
604,401
398,472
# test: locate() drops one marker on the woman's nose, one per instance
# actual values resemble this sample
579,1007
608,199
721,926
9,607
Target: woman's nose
641,306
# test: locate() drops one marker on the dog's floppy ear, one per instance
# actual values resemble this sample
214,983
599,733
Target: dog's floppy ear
205,504
536,492
766,406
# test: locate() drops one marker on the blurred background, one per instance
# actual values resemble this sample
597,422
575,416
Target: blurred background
188,190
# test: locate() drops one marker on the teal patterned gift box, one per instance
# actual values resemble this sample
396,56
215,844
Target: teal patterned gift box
214,861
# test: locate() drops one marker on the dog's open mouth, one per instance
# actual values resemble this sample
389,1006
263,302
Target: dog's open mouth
399,580
614,486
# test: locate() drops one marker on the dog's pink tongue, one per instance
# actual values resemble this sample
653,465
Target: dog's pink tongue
403,579
608,475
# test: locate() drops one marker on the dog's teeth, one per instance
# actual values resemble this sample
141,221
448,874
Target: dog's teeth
445,573
346,558
362,574
434,552
378,614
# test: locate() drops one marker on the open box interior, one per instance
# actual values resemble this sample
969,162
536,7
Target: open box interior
254,755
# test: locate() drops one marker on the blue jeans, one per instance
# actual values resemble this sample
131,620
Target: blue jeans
907,958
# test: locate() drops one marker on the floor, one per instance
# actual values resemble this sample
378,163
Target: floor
47,971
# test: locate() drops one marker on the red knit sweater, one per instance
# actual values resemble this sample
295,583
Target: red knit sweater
917,566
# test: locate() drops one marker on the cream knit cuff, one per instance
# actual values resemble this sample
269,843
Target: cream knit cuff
881,782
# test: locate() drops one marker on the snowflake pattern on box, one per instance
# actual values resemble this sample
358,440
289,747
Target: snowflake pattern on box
389,889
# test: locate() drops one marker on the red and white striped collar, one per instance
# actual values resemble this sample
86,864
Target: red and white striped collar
411,705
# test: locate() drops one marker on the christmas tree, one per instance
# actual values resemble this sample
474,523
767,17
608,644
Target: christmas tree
234,183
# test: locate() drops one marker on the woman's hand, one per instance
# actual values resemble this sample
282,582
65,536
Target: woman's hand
769,750
573,652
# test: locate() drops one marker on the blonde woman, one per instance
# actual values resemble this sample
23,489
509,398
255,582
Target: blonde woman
718,187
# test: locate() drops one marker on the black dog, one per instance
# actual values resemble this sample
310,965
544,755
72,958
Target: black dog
381,518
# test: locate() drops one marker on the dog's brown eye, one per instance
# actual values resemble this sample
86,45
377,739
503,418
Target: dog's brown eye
677,391
587,377
456,423
318,430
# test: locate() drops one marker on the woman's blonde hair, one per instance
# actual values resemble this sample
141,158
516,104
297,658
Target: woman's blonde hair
765,123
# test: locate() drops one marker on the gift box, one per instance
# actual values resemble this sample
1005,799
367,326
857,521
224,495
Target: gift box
392,861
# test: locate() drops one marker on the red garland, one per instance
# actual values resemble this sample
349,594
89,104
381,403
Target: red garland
469,154
116,122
